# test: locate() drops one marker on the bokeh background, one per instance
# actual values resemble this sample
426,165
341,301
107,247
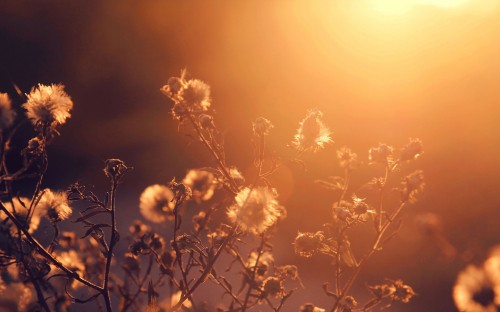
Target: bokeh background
380,70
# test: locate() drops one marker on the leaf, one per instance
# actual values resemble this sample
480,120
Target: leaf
89,215
94,228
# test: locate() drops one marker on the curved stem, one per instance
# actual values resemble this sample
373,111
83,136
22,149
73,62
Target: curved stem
375,247
46,254
219,161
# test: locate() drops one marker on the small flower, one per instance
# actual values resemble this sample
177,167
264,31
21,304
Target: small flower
189,96
47,105
256,209
381,154
115,169
55,205
474,291
273,286
412,185
156,203
7,114
394,290
266,260
312,133
202,184
182,192
412,150
347,159
196,94
187,243
262,126
307,244
402,292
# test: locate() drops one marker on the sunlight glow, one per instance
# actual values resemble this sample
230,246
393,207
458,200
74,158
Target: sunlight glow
398,7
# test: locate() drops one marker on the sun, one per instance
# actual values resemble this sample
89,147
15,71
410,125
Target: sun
399,7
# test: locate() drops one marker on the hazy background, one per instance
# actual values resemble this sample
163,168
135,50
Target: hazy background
381,71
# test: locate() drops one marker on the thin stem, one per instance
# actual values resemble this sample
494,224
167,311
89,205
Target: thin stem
375,247
219,161
208,269
112,243
46,254
254,269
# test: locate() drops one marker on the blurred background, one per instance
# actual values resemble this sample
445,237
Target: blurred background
380,70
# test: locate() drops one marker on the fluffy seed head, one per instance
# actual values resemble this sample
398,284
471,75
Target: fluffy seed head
156,203
55,205
312,134
474,290
307,244
202,184
256,209
262,126
48,105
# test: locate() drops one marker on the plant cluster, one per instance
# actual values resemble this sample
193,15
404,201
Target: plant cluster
228,241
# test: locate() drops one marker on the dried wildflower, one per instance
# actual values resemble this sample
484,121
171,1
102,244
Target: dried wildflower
307,244
360,209
394,290
474,291
273,286
131,264
266,259
115,169
217,238
189,96
166,262
309,307
55,205
288,271
201,183
381,154
402,292
262,126
196,94
187,243
139,247
48,105
347,159
7,114
138,228
156,203
312,133
256,209
412,185
412,150
182,192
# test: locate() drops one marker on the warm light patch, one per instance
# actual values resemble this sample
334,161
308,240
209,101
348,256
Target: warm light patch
398,7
